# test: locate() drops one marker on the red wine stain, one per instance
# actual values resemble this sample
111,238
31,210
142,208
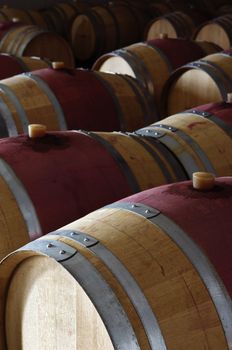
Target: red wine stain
192,125
220,190
41,144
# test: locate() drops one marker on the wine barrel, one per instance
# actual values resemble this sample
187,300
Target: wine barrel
33,41
153,61
69,174
7,25
94,32
217,31
176,24
24,16
11,65
220,110
150,272
73,99
184,134
60,16
212,7
225,9
159,9
200,82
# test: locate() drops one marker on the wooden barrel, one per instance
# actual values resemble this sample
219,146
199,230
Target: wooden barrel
150,272
38,19
220,110
69,174
176,24
153,61
200,141
73,99
11,65
225,9
24,16
210,6
33,41
5,26
159,9
199,82
94,33
60,16
128,24
217,31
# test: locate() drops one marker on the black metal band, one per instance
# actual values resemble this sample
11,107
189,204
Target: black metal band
146,101
200,261
162,54
119,160
192,143
139,68
115,24
99,29
223,82
179,25
181,152
225,23
111,92
172,161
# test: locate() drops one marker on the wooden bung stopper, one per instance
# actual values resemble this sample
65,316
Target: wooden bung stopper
15,19
58,65
36,130
203,181
163,35
229,97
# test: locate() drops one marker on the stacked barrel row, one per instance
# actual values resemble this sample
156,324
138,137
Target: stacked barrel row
151,255
53,180
94,100
193,25
90,31
142,273
94,30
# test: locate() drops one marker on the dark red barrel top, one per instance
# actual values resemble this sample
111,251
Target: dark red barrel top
206,216
9,66
86,102
8,25
222,110
66,174
178,51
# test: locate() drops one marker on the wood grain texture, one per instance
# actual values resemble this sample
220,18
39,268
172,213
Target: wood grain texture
182,305
215,143
214,32
193,86
33,41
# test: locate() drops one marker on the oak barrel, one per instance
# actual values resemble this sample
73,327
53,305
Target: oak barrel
220,110
94,32
11,65
150,272
200,141
217,31
199,82
153,61
176,24
74,99
105,28
50,181
60,16
33,41
24,16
